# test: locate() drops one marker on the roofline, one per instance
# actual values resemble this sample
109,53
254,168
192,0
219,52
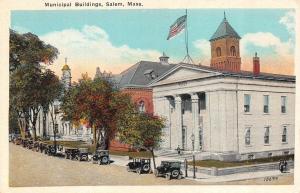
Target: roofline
175,68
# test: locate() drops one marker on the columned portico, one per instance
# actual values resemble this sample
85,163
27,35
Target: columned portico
195,115
178,111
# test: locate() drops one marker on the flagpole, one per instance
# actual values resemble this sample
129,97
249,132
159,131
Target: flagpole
187,56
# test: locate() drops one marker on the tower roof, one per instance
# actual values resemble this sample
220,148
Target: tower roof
65,67
225,30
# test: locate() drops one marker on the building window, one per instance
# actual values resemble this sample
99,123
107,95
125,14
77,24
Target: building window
284,134
266,103
218,50
202,101
247,99
286,153
142,107
283,104
267,135
270,154
250,157
232,51
247,136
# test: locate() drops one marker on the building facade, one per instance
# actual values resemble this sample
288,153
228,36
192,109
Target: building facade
228,113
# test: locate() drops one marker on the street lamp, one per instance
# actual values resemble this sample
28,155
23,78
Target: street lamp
55,129
193,146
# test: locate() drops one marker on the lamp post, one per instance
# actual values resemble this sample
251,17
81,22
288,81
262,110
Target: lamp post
193,146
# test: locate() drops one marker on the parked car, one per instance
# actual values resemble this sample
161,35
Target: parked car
101,157
82,154
50,149
24,142
70,153
30,144
169,169
43,147
17,141
139,165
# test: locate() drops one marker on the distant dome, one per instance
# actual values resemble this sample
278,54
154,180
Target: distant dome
65,67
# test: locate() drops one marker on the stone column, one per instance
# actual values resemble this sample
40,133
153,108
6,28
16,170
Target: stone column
169,121
178,111
195,114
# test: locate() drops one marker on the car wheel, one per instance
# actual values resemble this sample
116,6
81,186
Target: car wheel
146,168
175,174
104,160
78,158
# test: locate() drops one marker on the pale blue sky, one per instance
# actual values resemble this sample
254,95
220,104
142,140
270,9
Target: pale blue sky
148,29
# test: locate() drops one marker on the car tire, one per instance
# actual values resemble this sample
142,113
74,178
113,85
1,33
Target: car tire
104,160
146,168
175,173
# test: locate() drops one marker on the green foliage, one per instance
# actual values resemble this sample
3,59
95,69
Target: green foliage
143,131
28,49
97,103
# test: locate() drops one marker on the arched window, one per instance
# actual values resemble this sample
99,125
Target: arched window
284,133
232,51
247,136
218,50
141,106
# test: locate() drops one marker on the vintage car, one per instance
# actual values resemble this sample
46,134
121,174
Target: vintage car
82,154
50,150
36,146
17,141
30,144
169,169
70,152
101,157
43,147
139,165
25,142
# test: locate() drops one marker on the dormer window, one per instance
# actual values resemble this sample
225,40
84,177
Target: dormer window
150,74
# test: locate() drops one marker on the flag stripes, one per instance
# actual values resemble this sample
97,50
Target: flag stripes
177,27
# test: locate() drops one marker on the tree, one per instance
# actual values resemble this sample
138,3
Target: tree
142,131
28,82
96,102
28,49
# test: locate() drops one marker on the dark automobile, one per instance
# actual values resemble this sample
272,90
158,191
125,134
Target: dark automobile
24,142
139,165
30,144
169,169
50,149
36,146
43,147
17,141
70,153
82,154
101,157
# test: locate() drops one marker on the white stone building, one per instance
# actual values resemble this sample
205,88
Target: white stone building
232,114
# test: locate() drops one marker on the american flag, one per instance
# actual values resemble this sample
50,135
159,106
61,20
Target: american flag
177,27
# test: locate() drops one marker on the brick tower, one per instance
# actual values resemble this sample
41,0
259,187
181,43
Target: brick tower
225,48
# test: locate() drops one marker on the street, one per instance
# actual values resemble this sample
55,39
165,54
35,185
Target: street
28,168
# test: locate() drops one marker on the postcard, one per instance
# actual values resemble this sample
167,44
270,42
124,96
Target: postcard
140,96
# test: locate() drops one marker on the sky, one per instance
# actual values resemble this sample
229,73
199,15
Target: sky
117,39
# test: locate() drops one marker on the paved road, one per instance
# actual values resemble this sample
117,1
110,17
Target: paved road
28,168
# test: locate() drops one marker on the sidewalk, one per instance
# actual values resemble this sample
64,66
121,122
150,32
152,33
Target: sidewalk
123,160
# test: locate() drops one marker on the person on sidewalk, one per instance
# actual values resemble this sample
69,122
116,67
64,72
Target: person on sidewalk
178,150
281,166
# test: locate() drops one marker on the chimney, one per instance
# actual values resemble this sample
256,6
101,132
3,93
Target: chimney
164,59
256,65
